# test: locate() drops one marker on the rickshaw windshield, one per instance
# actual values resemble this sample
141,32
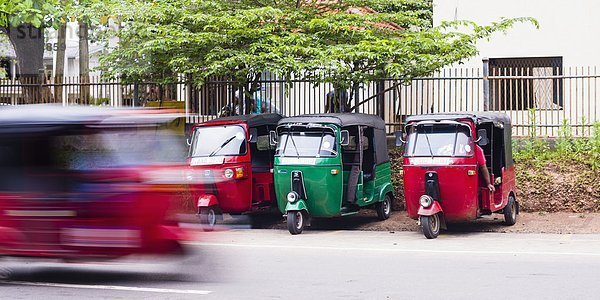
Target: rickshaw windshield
449,140
306,142
228,140
113,148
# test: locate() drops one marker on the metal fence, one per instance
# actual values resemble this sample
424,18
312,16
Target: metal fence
93,90
540,101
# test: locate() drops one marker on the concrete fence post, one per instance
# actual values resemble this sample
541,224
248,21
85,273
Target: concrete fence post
486,84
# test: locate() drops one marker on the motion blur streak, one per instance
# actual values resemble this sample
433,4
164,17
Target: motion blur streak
90,184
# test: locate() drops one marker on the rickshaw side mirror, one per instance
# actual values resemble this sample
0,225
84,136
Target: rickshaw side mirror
188,141
345,138
253,135
399,140
482,138
272,138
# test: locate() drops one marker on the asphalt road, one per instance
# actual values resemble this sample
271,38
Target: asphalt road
272,264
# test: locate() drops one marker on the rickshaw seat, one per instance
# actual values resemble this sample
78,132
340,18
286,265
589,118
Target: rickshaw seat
352,184
353,178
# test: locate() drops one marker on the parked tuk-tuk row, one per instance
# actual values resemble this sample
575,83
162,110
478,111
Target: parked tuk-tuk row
457,167
89,183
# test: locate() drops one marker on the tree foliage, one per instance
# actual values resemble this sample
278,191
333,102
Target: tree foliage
39,13
344,42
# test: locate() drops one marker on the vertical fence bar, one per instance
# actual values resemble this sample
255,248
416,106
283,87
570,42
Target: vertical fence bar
486,84
589,100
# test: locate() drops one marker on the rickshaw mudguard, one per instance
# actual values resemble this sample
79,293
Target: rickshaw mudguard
207,200
387,188
298,205
430,211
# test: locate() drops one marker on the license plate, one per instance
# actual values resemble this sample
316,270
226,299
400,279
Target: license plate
101,237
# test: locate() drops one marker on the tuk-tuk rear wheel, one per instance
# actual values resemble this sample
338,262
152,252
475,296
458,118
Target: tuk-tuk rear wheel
510,211
208,218
295,222
5,272
384,208
431,226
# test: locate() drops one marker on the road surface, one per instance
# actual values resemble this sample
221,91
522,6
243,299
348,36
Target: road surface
272,264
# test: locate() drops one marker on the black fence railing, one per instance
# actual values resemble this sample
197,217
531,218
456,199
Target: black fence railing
540,102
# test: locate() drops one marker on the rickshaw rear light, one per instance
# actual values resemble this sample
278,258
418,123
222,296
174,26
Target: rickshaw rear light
239,173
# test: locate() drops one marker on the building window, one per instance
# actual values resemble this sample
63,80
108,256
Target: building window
526,93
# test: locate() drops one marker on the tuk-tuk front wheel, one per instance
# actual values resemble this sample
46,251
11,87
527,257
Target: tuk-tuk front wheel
431,226
510,211
295,221
384,208
208,218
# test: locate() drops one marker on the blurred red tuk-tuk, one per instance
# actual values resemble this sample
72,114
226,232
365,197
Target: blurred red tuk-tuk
230,162
82,183
442,180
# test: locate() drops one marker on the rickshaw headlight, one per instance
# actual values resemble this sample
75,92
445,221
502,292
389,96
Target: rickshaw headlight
426,201
228,173
292,197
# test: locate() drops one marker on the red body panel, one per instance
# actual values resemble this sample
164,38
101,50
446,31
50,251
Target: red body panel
458,190
233,195
109,215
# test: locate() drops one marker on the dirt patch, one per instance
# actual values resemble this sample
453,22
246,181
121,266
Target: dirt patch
567,186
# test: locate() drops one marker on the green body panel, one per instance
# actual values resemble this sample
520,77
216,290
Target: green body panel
323,189
383,181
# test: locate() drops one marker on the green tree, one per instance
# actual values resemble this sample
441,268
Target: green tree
347,43
24,23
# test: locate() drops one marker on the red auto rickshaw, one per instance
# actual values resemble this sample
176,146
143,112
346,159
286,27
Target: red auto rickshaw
230,162
442,181
81,184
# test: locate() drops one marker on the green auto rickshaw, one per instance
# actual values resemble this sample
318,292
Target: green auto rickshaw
330,165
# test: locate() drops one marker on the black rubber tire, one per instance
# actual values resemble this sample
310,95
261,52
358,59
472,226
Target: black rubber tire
5,272
384,208
295,222
510,211
208,218
431,226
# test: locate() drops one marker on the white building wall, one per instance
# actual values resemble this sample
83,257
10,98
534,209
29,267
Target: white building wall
567,28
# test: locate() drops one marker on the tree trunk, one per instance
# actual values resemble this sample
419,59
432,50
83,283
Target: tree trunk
28,42
60,63
84,63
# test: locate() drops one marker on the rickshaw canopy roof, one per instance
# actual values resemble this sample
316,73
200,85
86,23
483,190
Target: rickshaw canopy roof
253,120
341,119
36,118
477,117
